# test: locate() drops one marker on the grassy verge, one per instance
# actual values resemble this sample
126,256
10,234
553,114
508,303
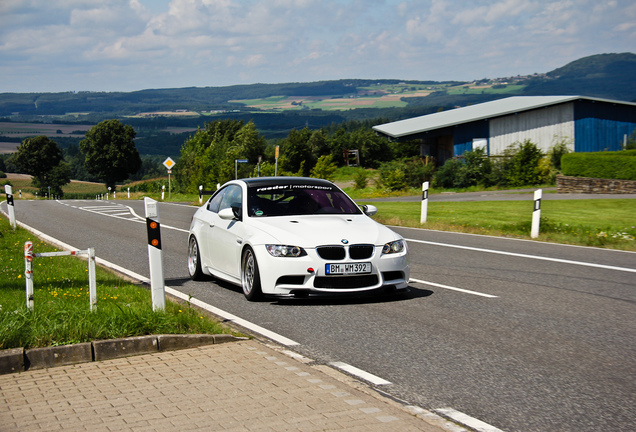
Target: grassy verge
607,223
61,313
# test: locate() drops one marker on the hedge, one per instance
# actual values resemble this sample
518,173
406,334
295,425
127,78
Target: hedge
606,165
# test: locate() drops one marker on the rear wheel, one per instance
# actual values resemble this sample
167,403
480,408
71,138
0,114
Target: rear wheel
194,259
250,277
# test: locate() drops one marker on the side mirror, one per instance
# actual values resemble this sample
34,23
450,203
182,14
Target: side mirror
227,214
369,209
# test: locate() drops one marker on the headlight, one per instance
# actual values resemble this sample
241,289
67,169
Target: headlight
394,247
285,251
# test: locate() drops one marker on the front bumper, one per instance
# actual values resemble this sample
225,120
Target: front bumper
306,275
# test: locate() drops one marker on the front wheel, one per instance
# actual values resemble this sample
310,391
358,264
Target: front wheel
194,259
250,278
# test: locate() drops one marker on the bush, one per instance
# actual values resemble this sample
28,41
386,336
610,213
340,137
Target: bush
360,178
2,174
446,175
392,175
418,171
325,168
522,165
473,168
607,165
401,174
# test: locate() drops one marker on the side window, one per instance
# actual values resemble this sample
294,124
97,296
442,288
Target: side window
232,197
215,201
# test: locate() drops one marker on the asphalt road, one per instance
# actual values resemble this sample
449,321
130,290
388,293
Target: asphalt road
525,336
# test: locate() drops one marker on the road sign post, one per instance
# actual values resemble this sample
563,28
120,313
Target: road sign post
168,163
276,165
155,255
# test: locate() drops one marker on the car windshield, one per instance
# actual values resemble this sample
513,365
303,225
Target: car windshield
298,199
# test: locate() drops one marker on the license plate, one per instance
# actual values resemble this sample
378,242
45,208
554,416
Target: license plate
347,268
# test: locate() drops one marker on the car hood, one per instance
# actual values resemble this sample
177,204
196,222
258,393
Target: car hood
312,231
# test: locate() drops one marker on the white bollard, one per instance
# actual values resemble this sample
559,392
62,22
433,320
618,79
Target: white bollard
155,255
10,208
128,193
92,279
424,214
536,214
28,273
163,191
200,194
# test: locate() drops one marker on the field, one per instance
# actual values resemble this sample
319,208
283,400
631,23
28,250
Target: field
8,147
9,129
22,182
380,96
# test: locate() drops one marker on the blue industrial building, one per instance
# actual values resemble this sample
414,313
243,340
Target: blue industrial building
585,124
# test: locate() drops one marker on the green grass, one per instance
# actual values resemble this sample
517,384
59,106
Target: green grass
607,223
61,313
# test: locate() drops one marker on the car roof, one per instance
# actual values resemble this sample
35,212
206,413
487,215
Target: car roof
273,181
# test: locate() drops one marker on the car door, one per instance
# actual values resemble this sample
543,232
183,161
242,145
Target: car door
226,236
207,220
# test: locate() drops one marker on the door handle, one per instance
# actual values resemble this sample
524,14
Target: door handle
239,241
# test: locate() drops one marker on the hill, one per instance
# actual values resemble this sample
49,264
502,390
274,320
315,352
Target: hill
611,76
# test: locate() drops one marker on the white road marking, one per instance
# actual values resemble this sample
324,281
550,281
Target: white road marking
360,373
558,260
467,420
107,210
453,288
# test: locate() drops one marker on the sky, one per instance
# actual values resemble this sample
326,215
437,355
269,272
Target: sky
127,45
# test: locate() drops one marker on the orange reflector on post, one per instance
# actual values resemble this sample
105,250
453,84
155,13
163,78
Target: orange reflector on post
154,233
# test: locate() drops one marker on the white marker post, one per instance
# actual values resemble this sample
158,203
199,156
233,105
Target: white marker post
163,191
536,214
28,273
155,255
424,214
92,278
200,194
9,191
128,193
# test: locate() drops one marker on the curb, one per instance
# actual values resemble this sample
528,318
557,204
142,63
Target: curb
20,359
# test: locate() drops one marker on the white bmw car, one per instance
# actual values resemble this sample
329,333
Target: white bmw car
293,236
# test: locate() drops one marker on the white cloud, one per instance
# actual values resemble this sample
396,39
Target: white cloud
135,44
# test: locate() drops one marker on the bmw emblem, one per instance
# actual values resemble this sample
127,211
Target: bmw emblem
344,241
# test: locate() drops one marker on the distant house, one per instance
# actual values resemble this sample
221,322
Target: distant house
586,124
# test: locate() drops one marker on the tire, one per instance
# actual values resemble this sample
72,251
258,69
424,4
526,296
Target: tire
194,259
250,277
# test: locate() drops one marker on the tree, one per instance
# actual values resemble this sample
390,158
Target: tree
296,150
110,151
43,159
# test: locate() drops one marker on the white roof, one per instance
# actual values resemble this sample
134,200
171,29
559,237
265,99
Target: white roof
471,113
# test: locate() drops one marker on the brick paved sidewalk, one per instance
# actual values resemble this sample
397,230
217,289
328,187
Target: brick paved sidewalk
239,386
